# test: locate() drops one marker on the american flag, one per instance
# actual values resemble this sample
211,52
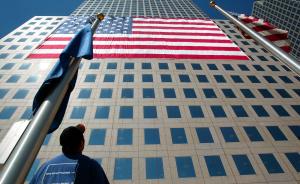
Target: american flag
142,37
278,36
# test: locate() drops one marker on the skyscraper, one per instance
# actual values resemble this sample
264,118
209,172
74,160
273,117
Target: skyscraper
283,14
165,120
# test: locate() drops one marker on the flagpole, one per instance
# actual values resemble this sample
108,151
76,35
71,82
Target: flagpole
19,162
282,55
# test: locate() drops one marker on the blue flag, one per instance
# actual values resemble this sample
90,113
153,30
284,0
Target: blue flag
81,46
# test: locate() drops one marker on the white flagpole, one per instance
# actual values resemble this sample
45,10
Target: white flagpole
282,55
19,162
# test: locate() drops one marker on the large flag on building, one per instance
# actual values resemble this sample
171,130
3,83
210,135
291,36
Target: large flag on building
79,47
278,36
141,37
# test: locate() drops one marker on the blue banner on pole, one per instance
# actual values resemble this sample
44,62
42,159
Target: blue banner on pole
81,46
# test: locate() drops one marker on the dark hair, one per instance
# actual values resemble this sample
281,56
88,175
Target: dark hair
70,139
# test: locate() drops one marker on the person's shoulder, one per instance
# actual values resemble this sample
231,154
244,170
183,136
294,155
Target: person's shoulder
90,160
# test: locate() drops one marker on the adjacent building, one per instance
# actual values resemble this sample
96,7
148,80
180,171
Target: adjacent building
165,120
285,15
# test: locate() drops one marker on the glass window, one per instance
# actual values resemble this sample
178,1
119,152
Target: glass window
163,66
204,135
32,79
283,93
22,39
265,93
196,111
147,78
189,93
78,112
243,67
18,56
209,93
127,93
128,66
285,79
253,50
260,111
184,78
106,93
27,113
148,93
111,78
280,110
297,91
97,137
258,68
237,79
90,78
296,130
47,139
94,66
123,169
146,66
273,68
202,78
165,78
229,134
214,165
228,93
173,112
243,164
33,170
21,94
294,159
196,66
185,167
253,79
151,136
169,93
150,112
13,79
178,136
154,168
3,92
270,163
111,66
27,47
212,67
253,134
124,136
218,111
7,112
296,108
24,66
262,58
85,93
179,66
247,93
102,112
220,78
8,66
276,133
3,55
239,111
126,112
228,67
270,79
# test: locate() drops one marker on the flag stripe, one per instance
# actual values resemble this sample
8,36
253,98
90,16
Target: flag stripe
149,38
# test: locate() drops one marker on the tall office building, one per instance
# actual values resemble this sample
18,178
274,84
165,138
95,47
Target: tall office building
165,120
283,14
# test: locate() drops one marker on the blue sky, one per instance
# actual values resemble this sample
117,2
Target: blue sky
15,12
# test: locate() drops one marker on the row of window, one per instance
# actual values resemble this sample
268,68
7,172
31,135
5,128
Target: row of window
165,66
154,166
85,93
178,135
150,112
167,78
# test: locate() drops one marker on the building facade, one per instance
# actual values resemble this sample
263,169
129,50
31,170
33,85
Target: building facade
162,120
283,14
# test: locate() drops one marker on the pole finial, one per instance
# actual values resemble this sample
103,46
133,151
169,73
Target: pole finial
212,3
100,16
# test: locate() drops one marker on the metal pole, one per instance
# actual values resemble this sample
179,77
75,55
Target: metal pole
17,166
282,55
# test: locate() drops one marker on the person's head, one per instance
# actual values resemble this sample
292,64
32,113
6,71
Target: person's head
72,140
